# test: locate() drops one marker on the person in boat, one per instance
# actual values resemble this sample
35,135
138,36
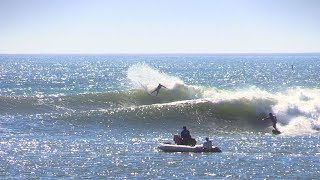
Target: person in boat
158,89
185,135
273,120
207,144
184,138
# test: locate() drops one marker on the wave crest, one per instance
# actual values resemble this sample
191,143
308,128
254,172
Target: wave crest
297,109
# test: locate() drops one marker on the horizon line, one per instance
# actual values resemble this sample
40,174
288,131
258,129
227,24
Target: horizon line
168,53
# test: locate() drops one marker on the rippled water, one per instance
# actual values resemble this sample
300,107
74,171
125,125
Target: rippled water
84,117
92,150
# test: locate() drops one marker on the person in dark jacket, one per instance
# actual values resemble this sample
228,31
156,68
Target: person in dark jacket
185,135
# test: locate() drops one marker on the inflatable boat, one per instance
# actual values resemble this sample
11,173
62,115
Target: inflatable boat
183,148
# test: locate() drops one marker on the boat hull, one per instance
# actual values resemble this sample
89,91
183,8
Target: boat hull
184,148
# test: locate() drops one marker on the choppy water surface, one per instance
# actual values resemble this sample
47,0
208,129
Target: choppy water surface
90,116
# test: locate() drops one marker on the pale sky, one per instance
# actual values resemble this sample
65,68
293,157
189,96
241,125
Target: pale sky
159,26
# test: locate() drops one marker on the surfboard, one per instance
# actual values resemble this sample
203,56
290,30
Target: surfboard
276,132
151,94
146,90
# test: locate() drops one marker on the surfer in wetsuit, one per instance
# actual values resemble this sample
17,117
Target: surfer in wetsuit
158,89
273,119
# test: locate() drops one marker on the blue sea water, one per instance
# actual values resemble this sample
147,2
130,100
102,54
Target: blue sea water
90,116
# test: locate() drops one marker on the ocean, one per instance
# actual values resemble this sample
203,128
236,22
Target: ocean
92,116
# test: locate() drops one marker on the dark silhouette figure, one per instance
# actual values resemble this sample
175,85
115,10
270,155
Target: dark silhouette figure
185,134
273,119
184,138
158,89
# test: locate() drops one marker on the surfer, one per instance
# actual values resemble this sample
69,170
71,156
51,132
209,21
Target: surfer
158,89
273,119
207,144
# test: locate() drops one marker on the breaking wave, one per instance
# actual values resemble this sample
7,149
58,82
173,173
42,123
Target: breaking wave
297,109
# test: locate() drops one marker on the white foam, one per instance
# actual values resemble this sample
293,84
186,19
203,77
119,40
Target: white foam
297,109
298,125
143,74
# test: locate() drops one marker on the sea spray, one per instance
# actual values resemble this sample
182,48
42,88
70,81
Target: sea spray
142,74
299,104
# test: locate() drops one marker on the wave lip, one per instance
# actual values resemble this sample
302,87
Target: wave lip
142,75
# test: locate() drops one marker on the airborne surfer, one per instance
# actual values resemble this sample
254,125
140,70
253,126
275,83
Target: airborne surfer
158,89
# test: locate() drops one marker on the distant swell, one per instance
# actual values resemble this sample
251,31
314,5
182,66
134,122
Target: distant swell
92,101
